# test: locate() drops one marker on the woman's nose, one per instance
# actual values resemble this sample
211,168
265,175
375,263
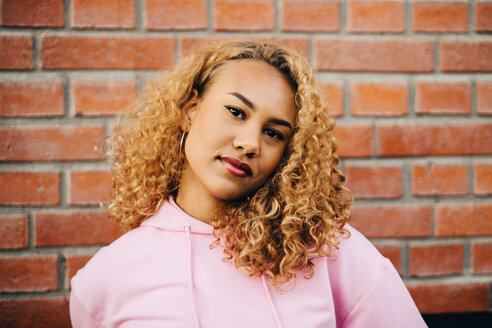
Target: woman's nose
247,139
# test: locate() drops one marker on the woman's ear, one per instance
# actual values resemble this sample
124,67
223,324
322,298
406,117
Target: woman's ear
188,111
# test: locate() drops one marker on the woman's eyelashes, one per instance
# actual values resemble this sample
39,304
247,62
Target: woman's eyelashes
272,133
236,112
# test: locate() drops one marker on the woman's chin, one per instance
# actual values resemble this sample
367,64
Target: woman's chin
230,196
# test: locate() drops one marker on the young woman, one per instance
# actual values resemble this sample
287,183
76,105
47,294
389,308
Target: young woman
226,174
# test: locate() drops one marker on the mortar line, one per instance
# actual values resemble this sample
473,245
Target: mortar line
467,269
67,12
277,16
139,15
210,17
405,262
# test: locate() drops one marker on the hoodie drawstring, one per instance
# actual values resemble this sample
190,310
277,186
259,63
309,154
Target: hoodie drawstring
270,302
191,287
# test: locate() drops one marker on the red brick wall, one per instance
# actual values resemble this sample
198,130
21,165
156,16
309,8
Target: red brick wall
411,87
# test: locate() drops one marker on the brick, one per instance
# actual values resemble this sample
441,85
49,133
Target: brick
482,179
28,274
90,187
392,221
483,16
176,15
457,297
336,54
463,220
433,16
378,99
63,143
243,15
391,252
94,52
103,14
442,180
376,16
462,56
75,263
14,231
484,98
433,139
50,312
481,255
191,44
30,188
15,52
47,13
334,95
443,98
354,140
375,181
39,98
102,98
310,16
436,260
74,228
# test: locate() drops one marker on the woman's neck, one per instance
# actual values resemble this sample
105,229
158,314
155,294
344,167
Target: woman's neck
198,204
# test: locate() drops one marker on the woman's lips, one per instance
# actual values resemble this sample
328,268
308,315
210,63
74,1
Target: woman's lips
236,167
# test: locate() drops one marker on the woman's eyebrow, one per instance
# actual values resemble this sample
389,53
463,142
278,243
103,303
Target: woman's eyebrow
281,122
245,100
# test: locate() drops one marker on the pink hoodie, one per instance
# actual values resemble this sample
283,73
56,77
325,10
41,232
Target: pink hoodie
163,274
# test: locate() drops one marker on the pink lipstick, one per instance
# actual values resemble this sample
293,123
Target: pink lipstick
236,167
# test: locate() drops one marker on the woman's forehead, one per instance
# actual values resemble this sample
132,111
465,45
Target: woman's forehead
258,81
248,73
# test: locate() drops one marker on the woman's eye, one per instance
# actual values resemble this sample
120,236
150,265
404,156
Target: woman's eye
274,134
236,112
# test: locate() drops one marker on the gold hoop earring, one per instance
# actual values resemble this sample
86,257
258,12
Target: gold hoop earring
181,144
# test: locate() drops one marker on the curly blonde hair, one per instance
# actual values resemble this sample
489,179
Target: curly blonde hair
295,216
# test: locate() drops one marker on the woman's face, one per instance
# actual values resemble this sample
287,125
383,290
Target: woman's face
237,130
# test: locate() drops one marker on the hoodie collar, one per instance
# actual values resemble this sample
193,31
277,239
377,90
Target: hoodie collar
171,217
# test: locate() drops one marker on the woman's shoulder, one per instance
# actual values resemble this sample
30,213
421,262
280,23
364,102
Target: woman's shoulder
353,268
131,250
356,251
110,259
93,283
365,282
120,270
356,264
